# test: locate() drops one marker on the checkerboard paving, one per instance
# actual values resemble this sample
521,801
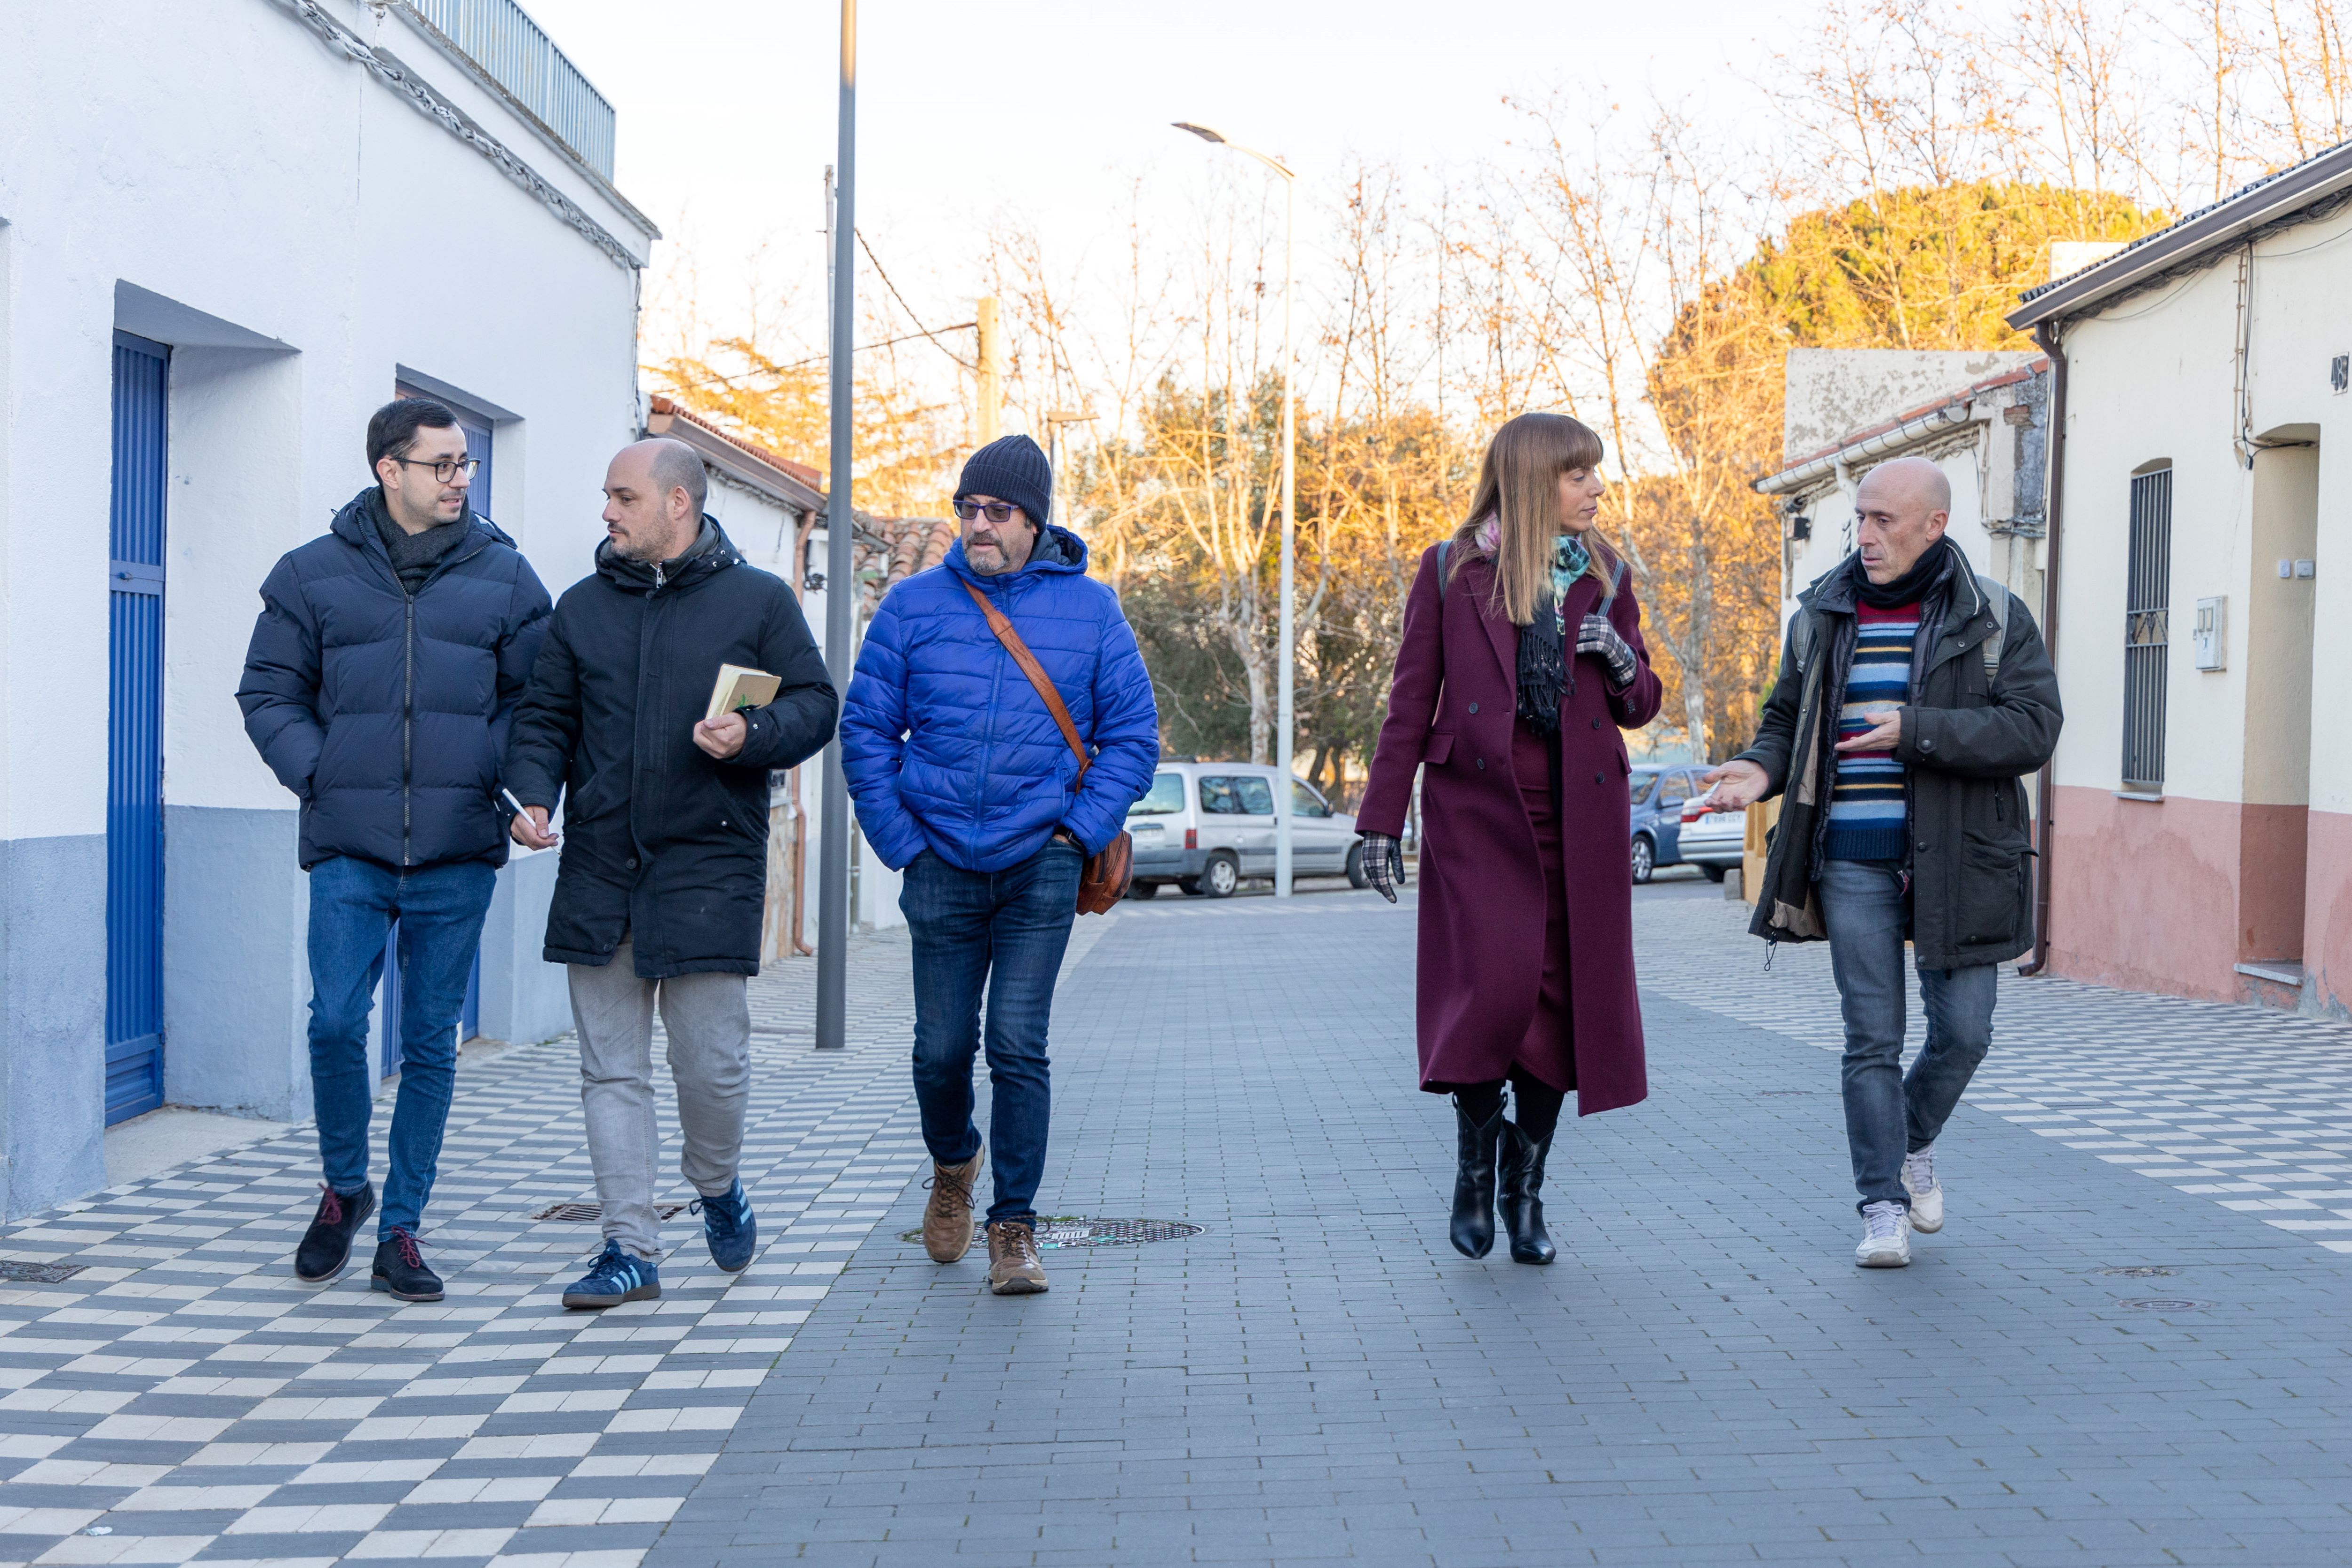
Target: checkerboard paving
2248,1106
185,1398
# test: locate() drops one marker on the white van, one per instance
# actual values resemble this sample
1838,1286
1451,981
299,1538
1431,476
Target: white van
1205,826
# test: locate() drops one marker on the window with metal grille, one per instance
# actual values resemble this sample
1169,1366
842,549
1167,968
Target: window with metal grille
2147,612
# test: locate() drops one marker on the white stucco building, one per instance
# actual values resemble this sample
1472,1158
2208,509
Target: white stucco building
228,233
2199,832
1981,417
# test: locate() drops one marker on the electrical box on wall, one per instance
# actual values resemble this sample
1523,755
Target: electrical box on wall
2212,638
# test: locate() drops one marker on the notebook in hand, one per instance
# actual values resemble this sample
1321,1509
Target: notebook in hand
740,686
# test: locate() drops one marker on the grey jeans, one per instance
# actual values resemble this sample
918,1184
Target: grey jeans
709,1018
1867,906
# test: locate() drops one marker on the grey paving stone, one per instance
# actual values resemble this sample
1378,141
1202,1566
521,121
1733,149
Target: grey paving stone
1703,1377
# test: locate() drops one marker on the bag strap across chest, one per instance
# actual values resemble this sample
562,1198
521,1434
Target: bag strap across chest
1010,638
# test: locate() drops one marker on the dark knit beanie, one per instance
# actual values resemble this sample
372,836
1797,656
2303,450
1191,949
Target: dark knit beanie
1012,468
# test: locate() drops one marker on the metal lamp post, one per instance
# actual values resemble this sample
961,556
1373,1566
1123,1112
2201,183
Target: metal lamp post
1054,420
1284,717
841,576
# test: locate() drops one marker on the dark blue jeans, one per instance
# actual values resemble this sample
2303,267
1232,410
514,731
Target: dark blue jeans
352,905
1004,932
1867,906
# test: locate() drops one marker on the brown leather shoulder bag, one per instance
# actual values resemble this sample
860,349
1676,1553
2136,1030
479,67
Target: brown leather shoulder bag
1105,880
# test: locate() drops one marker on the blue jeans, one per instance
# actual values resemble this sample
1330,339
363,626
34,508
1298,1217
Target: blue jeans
352,905
1867,906
1005,933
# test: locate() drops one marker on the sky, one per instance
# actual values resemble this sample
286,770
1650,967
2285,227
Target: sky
1044,111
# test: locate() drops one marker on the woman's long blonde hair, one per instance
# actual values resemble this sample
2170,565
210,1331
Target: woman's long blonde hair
1518,487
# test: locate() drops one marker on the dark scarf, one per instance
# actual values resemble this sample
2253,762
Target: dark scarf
414,556
1928,574
1543,653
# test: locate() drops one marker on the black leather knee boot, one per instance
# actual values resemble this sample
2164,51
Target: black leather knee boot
1521,1160
1473,1229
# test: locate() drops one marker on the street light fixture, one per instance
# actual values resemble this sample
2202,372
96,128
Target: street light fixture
1283,723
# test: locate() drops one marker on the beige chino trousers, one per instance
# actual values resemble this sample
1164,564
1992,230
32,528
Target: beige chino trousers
709,1018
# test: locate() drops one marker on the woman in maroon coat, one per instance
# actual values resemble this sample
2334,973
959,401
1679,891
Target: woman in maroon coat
1522,661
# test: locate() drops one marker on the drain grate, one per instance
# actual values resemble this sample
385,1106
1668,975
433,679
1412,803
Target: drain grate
2141,1271
2162,1304
39,1273
1076,1230
588,1214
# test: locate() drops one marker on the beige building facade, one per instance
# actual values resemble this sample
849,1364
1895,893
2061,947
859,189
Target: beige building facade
2199,835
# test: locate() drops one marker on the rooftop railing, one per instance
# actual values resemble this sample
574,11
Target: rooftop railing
499,37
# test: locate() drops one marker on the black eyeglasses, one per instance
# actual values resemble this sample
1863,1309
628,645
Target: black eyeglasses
997,512
444,470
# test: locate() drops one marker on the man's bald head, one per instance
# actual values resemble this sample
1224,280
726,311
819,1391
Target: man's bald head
654,496
1901,508
1915,479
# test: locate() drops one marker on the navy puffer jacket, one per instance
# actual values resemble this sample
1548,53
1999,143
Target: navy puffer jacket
386,715
949,748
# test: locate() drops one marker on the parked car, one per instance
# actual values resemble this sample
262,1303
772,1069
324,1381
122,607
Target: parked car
1714,841
1208,827
1664,836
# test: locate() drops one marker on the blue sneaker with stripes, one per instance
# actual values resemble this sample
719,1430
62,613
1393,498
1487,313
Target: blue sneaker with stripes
729,1226
618,1276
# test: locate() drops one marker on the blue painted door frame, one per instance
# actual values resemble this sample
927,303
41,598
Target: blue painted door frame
134,730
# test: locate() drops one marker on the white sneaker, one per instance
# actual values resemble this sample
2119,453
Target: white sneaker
1927,1193
1886,1238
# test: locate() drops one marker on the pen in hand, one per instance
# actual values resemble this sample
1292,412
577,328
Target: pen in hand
552,835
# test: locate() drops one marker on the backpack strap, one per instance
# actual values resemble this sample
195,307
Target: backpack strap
1800,638
1442,546
1997,598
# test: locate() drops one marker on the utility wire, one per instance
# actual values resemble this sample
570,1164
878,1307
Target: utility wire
909,309
816,359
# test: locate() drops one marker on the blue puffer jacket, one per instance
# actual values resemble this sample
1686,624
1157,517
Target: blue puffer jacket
386,713
949,748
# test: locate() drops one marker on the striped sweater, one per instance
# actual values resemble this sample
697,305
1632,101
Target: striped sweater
1867,812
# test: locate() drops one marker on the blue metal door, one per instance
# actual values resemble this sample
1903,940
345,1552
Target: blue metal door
134,733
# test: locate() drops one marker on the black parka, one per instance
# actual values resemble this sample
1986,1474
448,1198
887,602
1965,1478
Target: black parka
386,712
1967,742
661,841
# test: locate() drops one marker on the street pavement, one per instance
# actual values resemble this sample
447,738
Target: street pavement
2126,1347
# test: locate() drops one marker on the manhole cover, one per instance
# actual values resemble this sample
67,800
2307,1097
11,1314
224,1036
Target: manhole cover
2141,1271
1076,1230
42,1273
2162,1304
583,1214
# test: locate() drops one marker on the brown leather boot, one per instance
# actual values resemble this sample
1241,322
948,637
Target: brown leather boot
1014,1269
947,1217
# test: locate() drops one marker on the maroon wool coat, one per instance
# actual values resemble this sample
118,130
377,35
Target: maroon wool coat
1481,889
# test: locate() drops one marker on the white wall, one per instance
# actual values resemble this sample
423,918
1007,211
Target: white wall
217,178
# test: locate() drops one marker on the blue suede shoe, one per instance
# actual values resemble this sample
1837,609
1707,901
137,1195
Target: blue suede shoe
729,1226
618,1276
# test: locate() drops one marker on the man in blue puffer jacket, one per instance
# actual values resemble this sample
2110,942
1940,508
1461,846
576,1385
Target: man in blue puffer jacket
963,779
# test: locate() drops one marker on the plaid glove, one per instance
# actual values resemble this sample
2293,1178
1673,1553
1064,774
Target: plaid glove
1383,863
1597,637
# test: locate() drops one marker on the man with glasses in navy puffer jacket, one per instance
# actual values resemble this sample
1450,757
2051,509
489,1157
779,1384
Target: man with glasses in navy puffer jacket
963,779
383,673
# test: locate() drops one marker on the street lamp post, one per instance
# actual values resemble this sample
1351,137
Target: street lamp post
1054,420
1284,718
841,576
